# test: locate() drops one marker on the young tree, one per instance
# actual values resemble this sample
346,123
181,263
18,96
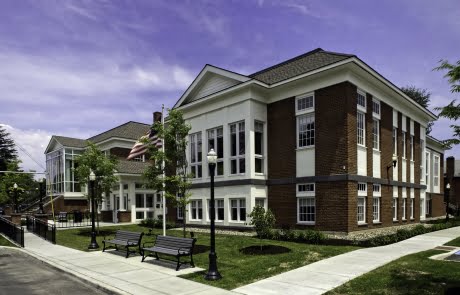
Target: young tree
263,222
93,159
422,97
24,181
8,151
452,110
177,180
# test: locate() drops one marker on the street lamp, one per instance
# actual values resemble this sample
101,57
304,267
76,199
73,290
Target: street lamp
92,179
447,192
213,274
42,192
15,197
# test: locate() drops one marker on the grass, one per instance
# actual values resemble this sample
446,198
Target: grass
412,274
237,269
5,242
454,242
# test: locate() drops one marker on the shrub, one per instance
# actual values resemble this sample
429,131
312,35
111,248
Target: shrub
403,234
419,230
263,221
314,237
154,223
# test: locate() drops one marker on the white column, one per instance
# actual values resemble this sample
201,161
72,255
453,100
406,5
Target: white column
122,207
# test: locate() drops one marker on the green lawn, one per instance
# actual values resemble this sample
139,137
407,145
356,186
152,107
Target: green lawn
454,242
237,269
413,274
5,242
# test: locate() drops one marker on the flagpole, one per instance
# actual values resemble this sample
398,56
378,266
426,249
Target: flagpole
163,165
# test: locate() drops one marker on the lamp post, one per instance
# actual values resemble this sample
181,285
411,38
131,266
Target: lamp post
42,192
213,274
15,197
92,179
447,192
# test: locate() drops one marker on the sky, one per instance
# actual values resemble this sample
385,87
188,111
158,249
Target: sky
78,68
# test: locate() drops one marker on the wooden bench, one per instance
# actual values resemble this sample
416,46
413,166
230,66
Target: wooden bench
173,246
125,238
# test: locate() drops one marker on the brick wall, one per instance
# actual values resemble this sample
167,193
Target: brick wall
438,208
62,205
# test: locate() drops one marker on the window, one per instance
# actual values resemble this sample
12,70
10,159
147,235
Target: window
305,102
140,158
238,209
219,209
427,170
260,202
362,194
140,215
361,100
411,208
139,200
376,134
375,209
395,137
149,200
196,155
197,210
361,129
216,142
259,146
435,170
395,208
376,188
306,209
403,144
306,130
376,107
237,148
306,203
180,210
411,147
403,208
422,152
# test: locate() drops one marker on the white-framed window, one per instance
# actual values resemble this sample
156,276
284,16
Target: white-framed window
395,137
306,130
403,208
305,102
260,202
196,155
376,197
361,100
140,158
219,209
412,208
403,135
180,210
411,147
376,134
216,142
395,208
422,152
306,203
427,170
435,170
238,209
237,148
196,210
361,128
259,146
376,107
361,210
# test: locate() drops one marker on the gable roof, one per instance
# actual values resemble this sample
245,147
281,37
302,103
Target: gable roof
70,141
131,167
129,130
301,64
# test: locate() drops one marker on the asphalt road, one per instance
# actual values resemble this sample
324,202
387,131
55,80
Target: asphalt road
22,274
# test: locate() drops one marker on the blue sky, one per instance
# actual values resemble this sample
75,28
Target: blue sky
77,68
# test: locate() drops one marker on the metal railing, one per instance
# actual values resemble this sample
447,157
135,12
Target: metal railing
72,219
41,228
12,231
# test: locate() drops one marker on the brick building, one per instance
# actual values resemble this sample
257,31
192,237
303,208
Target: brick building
136,201
322,139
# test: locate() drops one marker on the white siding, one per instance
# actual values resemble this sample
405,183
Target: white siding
362,160
212,85
376,164
305,162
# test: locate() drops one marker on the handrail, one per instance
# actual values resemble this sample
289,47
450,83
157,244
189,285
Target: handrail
12,231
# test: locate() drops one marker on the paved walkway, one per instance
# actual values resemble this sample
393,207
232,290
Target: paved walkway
115,273
325,275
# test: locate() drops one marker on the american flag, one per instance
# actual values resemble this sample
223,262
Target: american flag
142,144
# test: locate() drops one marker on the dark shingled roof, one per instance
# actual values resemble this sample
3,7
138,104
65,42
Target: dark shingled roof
71,142
130,130
131,167
299,65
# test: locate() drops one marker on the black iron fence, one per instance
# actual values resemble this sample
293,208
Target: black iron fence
73,219
41,228
12,231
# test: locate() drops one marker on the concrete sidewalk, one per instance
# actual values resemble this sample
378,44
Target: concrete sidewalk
115,273
327,274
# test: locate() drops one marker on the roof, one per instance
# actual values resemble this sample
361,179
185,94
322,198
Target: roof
299,65
131,167
70,142
130,130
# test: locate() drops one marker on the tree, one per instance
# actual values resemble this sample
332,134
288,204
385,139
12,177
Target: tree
8,151
422,97
104,167
263,222
177,180
452,110
25,183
